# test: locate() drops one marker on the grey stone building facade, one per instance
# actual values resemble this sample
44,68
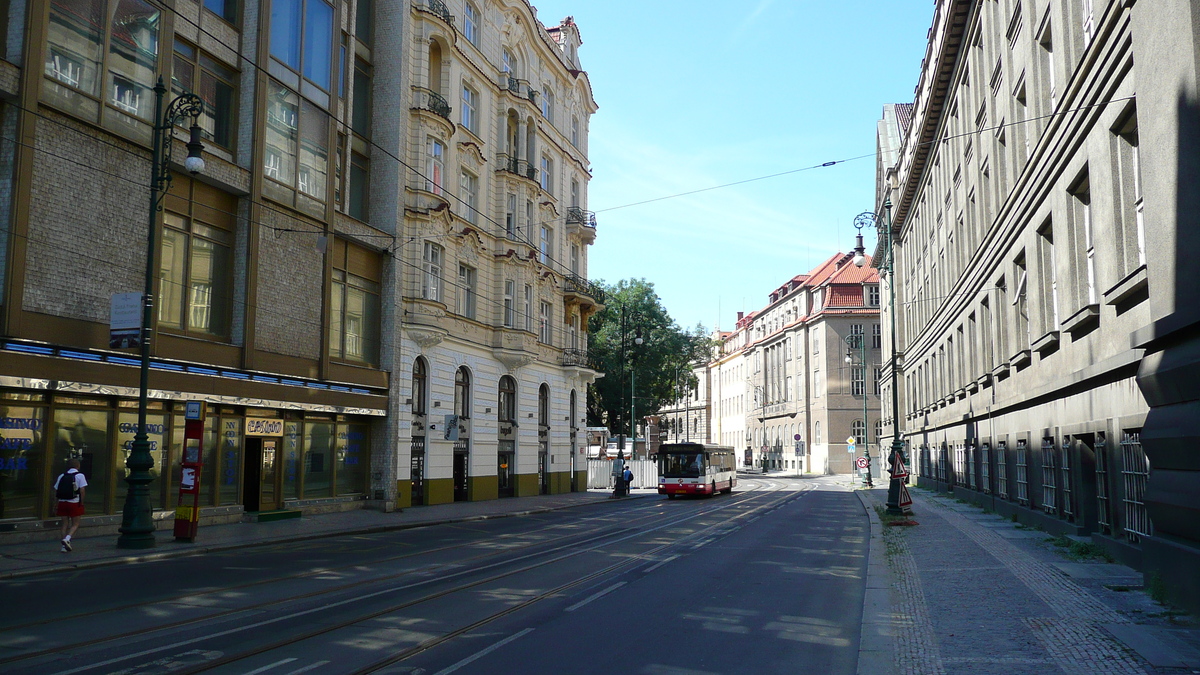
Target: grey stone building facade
1039,211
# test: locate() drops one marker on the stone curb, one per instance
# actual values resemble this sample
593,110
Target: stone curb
219,548
876,643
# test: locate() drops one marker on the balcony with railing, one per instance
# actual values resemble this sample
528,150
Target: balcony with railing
577,358
518,87
436,8
580,290
582,223
428,99
516,166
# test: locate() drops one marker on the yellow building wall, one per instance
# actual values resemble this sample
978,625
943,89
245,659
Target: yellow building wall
482,488
439,490
403,494
527,484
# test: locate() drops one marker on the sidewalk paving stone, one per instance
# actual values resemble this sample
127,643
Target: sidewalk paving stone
972,595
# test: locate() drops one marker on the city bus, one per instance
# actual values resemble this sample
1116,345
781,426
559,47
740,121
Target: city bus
695,469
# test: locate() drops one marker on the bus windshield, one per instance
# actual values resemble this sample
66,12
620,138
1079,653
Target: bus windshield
682,464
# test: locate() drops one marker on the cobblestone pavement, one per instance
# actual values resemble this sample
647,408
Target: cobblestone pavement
974,593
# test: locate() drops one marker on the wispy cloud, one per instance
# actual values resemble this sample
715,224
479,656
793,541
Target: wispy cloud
747,22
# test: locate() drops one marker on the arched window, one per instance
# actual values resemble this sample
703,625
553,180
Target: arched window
544,405
508,399
462,393
420,387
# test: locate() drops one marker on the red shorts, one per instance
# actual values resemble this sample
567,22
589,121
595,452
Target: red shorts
70,509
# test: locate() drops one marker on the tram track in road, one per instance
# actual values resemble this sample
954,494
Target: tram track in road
553,592
585,541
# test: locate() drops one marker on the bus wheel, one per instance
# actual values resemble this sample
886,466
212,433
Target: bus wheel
713,489
670,495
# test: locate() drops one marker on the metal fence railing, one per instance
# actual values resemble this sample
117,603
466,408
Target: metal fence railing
1103,504
1022,474
1135,469
1049,476
1068,495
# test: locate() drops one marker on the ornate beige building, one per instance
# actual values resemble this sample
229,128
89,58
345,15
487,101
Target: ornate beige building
494,263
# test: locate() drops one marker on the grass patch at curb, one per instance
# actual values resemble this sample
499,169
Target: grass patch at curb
1079,550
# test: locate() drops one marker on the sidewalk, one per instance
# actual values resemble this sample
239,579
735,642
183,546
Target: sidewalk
967,591
41,557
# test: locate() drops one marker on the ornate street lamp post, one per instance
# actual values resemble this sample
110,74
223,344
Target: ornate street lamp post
888,268
137,524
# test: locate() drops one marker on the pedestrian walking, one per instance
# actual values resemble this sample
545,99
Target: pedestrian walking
627,476
70,488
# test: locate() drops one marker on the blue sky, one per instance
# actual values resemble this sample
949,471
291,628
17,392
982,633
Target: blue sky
698,94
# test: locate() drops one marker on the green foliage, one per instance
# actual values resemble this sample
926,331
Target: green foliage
1158,588
1080,550
633,309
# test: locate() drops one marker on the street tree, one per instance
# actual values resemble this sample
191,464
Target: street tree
648,370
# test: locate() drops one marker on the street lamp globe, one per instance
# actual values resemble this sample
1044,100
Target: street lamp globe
195,160
859,259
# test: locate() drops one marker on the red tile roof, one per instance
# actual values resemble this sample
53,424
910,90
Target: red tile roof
844,296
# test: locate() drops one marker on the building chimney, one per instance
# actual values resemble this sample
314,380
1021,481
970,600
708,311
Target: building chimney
740,315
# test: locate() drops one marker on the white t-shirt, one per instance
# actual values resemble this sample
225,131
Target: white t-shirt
80,483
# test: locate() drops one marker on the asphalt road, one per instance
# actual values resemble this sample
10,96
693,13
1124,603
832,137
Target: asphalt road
767,580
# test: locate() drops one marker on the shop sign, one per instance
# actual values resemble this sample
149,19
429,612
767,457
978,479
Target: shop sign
258,426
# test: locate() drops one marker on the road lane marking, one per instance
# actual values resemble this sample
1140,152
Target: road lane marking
595,596
305,669
267,667
480,654
660,563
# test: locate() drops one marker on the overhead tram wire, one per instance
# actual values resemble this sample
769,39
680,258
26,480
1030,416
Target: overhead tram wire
500,228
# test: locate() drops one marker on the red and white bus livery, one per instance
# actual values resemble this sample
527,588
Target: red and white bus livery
695,469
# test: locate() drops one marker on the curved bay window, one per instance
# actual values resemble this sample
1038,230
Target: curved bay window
462,393
354,303
195,293
420,380
508,400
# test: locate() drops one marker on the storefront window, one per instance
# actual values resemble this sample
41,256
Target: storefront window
22,446
230,461
127,426
352,458
83,435
292,457
208,457
318,459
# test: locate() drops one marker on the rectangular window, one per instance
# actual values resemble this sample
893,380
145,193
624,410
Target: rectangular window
575,259
195,294
468,194
1084,282
470,102
1048,278
467,277
195,71
363,19
103,52
360,183
226,9
548,106
435,155
360,114
546,245
510,216
876,336
547,181
431,272
872,296
575,131
509,303
544,327
354,308
574,193
301,46
856,335
297,144
878,380
528,308
1127,188
858,385
470,27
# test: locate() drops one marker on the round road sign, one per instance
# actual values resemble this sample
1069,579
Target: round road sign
861,462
